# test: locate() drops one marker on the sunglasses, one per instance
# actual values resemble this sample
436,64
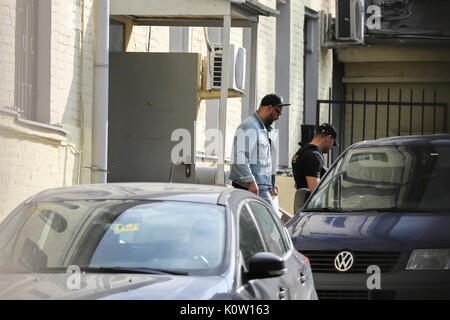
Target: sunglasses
278,111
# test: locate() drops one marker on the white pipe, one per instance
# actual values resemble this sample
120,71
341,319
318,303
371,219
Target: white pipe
224,97
253,90
100,106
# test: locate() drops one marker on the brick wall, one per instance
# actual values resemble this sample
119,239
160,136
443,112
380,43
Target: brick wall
296,66
296,75
33,158
266,53
7,52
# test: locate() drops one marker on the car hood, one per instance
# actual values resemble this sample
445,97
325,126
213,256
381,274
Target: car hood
370,231
111,286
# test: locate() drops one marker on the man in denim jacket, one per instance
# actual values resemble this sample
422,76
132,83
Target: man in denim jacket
251,167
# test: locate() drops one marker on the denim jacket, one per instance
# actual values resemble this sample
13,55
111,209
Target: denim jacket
251,155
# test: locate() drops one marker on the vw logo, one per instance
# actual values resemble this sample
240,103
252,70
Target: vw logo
343,261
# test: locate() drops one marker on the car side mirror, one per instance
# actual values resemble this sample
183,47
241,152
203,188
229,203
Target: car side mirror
300,197
265,265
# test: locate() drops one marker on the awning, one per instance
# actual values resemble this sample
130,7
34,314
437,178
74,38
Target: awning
190,12
251,9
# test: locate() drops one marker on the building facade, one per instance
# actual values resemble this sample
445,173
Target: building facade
46,90
45,97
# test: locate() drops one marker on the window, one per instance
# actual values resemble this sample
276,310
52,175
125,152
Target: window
33,58
272,234
249,239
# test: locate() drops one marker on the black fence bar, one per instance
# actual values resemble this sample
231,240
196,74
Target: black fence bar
388,112
356,106
445,119
364,115
429,104
411,113
341,133
423,111
399,110
318,111
376,112
329,106
329,156
353,115
434,112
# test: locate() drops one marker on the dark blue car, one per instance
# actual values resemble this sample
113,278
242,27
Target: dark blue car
378,224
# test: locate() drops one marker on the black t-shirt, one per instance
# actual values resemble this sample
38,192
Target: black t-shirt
308,161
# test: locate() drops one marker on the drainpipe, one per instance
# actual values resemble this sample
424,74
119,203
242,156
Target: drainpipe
100,105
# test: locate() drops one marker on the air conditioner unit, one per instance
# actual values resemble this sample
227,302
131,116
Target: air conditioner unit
237,67
350,20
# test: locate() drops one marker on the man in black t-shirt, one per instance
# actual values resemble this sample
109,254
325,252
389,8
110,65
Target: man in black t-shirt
308,163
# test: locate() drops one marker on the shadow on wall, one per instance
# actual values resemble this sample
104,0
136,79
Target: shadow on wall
77,116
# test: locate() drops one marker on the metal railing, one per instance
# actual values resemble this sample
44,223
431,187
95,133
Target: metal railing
389,117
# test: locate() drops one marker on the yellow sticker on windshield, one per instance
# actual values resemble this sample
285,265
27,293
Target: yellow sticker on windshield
118,227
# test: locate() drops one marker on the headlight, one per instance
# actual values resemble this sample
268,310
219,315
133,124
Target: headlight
429,259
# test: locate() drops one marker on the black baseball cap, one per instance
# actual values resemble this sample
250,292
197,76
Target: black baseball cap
274,100
329,130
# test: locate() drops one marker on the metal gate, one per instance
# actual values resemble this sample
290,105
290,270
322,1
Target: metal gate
357,120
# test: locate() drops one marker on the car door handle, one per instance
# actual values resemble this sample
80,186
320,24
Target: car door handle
282,294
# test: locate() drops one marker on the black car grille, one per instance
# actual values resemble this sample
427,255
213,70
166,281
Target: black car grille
355,294
323,261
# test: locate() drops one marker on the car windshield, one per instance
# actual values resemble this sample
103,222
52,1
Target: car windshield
114,235
397,178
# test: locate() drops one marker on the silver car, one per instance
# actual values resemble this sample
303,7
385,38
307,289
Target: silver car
149,241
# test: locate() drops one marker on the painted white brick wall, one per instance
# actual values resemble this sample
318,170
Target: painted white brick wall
297,52
29,164
197,44
7,52
266,53
65,67
87,90
30,158
296,76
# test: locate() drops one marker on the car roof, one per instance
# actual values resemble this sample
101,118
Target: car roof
135,191
406,140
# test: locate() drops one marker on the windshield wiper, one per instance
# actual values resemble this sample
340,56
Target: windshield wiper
134,270
395,209
392,209
98,269
326,209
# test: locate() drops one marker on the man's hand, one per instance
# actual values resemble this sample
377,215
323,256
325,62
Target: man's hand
275,191
312,182
253,188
